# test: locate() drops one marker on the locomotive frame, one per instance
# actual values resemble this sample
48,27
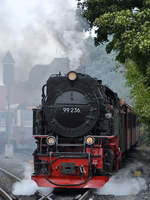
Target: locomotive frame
81,160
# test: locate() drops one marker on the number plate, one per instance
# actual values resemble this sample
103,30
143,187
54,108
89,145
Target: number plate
71,110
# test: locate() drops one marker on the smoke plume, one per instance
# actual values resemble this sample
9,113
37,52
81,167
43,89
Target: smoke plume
124,182
27,186
36,31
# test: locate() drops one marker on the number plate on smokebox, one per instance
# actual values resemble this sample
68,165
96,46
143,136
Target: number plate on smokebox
68,168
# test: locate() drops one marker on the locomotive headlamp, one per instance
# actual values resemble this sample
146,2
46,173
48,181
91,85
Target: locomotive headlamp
72,76
51,140
89,140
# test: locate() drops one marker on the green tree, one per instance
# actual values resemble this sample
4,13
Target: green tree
128,22
104,68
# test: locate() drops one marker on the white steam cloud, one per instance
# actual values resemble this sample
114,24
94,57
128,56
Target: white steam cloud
124,183
36,31
27,186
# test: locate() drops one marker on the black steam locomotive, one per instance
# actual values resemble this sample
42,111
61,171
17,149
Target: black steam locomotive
81,130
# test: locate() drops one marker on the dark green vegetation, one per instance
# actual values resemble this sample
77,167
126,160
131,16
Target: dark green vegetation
128,23
102,66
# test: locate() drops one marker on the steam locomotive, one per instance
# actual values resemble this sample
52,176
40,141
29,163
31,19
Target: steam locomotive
82,130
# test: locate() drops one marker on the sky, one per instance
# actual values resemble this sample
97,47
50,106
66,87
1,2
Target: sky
36,31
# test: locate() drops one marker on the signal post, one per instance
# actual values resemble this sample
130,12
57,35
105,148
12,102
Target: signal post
8,79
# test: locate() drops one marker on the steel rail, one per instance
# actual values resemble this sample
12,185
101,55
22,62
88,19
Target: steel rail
5,195
51,196
85,196
106,197
10,174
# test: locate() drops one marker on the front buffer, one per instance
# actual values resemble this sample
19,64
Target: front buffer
68,172
88,169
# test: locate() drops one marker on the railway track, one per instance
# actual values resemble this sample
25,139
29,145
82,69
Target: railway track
104,197
6,182
87,194
7,179
4,195
10,174
57,194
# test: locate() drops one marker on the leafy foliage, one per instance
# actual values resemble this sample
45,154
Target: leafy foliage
129,24
140,91
104,66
